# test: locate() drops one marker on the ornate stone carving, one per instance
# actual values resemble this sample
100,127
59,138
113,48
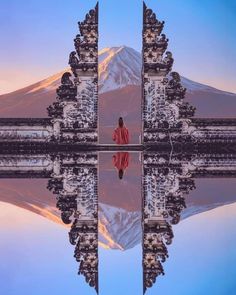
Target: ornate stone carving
164,111
75,112
75,183
164,184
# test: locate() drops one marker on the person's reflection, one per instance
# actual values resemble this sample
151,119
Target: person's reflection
121,162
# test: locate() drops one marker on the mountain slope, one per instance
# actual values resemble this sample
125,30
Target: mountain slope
30,101
119,227
119,67
120,95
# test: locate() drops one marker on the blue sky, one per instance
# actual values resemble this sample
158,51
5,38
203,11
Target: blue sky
37,36
43,262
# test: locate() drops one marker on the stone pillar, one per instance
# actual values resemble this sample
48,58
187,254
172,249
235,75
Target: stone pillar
77,97
164,110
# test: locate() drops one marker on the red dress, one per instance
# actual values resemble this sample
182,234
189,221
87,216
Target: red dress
121,135
121,160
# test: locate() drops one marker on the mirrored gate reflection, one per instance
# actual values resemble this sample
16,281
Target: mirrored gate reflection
166,181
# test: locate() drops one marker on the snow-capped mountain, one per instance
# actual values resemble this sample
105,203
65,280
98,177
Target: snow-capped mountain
119,225
124,226
118,67
121,66
120,94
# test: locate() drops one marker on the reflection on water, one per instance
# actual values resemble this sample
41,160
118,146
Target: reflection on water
166,181
75,184
121,162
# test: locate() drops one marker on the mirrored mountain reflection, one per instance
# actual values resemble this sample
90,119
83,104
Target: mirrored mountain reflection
166,179
161,202
74,181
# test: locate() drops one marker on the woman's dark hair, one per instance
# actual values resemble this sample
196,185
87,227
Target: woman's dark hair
121,122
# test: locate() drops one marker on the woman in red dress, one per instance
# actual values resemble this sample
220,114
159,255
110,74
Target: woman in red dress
121,133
